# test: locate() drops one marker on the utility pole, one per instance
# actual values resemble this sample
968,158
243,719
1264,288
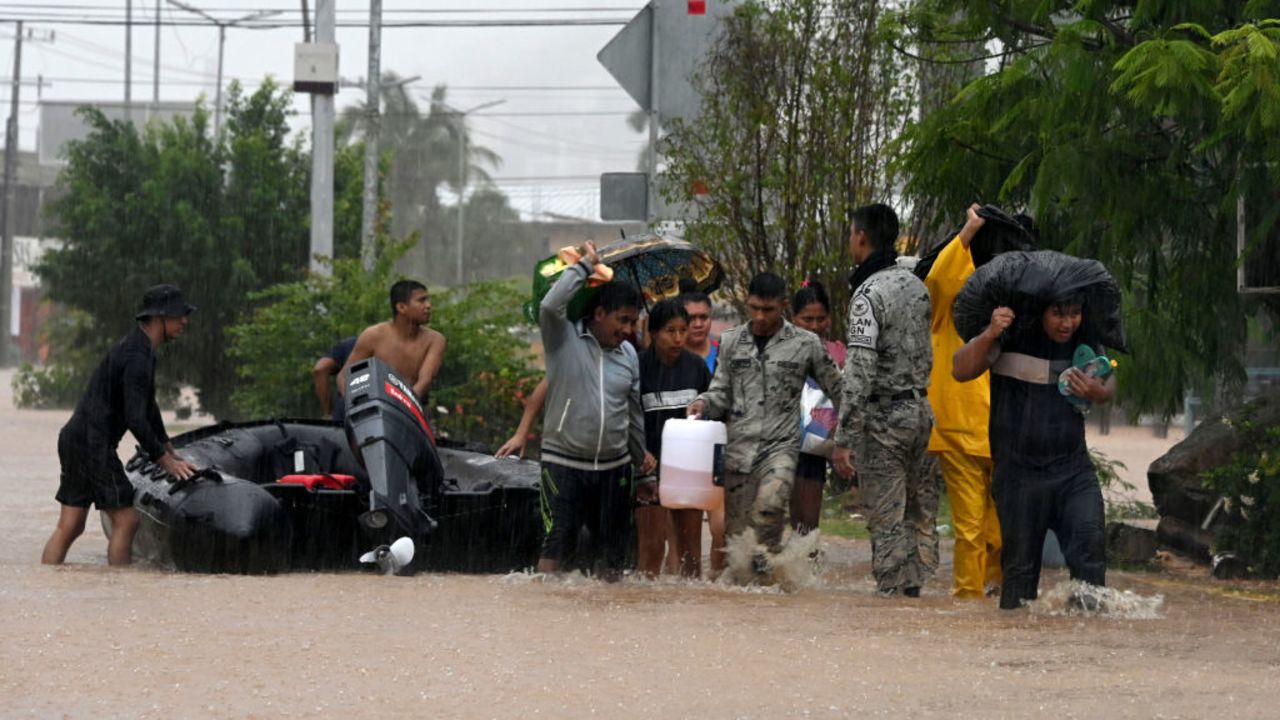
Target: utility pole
652,152
6,207
155,62
322,151
128,59
373,99
128,54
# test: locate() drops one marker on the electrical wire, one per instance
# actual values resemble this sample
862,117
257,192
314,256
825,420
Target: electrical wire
273,24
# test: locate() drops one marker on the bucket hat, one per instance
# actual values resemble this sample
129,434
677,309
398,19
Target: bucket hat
165,301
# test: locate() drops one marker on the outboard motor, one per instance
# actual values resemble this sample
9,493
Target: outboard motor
389,433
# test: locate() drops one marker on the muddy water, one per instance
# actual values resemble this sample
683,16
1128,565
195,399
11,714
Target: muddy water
86,641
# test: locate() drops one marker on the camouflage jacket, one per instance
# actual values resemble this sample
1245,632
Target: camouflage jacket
758,393
890,349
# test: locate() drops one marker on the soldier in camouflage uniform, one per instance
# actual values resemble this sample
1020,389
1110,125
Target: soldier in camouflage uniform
756,389
884,407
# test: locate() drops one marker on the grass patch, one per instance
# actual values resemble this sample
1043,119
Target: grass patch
1147,566
838,517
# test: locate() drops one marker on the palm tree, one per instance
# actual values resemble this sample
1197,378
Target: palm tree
424,150
638,121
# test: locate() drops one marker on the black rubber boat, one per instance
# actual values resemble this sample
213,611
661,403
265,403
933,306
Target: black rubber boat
279,495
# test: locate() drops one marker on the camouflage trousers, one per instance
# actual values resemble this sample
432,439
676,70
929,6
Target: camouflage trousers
898,482
761,499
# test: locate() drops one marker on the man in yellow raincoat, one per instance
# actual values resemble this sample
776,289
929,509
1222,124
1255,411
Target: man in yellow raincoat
959,436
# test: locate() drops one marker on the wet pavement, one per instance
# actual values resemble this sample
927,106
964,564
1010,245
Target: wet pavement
84,640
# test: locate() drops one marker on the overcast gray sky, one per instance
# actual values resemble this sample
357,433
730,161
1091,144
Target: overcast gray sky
85,62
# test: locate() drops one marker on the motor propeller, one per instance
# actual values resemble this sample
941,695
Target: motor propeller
393,558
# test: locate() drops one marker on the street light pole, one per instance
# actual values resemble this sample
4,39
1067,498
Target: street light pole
222,42
460,129
462,194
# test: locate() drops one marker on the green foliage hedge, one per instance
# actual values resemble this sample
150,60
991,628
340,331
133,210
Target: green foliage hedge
486,366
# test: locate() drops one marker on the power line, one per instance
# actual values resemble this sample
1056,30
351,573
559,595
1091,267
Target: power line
556,138
546,178
540,88
114,54
561,148
118,20
539,113
293,9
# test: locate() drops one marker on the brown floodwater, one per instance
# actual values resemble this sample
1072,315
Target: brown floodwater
84,640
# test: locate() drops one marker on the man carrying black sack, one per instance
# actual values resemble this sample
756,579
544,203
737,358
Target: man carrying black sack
121,396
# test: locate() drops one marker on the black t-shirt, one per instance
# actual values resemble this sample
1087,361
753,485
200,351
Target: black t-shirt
1032,424
341,350
121,396
339,353
665,392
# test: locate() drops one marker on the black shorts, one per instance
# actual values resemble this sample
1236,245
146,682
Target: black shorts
811,467
598,501
91,475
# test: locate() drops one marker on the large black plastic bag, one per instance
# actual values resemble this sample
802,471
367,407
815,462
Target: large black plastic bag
1001,233
1028,282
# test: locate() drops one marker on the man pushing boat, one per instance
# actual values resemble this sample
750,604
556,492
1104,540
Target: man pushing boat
121,396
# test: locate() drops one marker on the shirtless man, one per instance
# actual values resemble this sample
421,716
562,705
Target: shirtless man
412,349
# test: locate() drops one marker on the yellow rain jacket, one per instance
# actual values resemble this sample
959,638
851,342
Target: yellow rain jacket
962,410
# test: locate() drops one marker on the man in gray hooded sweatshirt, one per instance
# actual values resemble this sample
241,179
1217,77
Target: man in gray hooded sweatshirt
593,428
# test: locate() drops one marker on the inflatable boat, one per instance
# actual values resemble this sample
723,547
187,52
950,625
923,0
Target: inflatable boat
279,495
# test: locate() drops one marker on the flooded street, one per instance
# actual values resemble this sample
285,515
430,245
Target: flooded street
85,641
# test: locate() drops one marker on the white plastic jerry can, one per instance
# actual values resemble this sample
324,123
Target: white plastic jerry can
692,460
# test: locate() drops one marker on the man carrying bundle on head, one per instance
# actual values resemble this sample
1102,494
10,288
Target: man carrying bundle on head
1043,477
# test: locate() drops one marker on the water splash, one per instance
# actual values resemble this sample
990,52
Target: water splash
795,567
1077,598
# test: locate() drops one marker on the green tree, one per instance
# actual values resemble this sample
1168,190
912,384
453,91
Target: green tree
799,98
1130,131
170,204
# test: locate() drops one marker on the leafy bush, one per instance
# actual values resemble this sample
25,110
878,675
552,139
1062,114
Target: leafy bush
486,372
47,387
75,349
296,323
1113,484
1250,486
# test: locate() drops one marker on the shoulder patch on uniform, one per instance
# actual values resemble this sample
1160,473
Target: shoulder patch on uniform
864,330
